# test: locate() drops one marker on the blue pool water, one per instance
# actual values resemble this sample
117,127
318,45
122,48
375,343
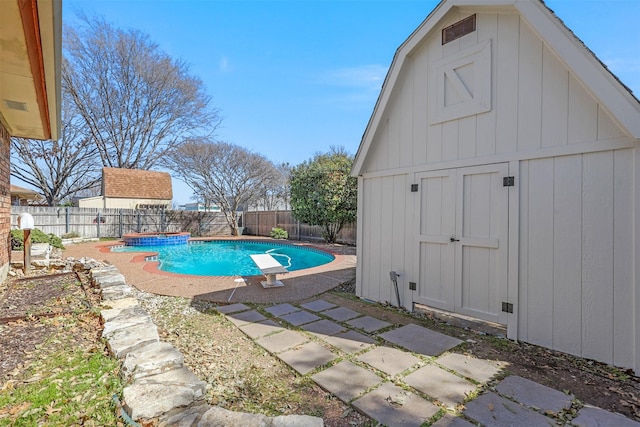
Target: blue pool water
229,258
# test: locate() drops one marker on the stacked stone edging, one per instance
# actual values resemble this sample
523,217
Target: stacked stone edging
159,386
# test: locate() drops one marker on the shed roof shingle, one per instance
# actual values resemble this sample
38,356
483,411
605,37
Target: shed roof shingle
136,183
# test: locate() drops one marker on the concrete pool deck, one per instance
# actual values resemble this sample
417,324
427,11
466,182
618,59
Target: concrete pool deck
298,285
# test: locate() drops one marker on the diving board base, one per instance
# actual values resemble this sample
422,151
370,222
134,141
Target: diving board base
271,282
269,267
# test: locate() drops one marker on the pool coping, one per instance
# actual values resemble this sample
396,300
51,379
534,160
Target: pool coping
146,276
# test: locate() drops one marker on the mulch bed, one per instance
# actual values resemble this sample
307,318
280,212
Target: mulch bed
24,302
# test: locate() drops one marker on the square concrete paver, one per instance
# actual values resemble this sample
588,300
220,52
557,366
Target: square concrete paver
318,305
298,318
256,330
392,406
389,360
477,369
420,340
307,357
451,421
233,308
368,323
530,393
323,327
341,314
350,341
346,380
280,309
281,341
251,316
591,416
440,384
493,410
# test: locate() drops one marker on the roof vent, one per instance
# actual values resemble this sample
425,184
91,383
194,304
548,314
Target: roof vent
459,29
15,105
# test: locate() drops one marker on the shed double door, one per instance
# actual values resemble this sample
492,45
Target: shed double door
462,241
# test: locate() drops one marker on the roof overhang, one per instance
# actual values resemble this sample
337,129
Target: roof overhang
30,60
614,96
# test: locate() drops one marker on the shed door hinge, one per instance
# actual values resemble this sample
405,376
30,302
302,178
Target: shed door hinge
507,307
414,188
508,181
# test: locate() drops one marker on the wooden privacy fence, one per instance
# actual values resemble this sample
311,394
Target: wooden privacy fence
96,222
260,223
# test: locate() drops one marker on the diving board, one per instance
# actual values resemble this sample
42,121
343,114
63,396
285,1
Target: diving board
269,267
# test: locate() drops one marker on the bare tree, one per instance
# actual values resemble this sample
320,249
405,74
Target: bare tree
135,101
223,174
275,193
58,169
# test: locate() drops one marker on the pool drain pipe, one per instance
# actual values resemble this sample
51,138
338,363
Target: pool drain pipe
394,278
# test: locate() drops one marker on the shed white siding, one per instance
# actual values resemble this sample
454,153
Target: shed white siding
576,254
573,215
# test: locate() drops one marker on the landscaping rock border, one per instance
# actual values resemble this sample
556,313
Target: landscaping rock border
160,388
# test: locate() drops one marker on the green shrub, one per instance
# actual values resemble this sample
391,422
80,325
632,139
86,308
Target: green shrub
37,236
279,233
70,235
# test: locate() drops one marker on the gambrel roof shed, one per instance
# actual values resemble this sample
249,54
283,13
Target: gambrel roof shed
499,177
577,57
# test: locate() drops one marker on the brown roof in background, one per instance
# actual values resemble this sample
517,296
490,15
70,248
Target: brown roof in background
136,184
24,193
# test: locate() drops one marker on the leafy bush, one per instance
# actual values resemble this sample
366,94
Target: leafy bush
279,233
37,236
324,193
70,235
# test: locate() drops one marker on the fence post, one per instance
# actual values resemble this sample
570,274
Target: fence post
120,228
162,220
98,221
66,219
138,222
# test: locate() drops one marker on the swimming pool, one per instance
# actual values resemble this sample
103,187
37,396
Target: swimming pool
229,258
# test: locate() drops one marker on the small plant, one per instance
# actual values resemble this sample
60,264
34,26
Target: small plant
279,233
70,235
37,236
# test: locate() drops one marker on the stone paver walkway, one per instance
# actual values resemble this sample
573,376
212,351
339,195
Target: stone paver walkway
403,375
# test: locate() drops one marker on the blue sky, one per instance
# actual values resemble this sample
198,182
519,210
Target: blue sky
295,77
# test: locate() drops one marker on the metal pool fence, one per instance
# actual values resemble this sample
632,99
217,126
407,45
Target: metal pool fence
95,222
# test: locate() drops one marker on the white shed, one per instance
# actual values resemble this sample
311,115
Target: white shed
499,175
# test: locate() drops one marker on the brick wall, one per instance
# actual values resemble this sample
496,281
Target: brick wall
5,202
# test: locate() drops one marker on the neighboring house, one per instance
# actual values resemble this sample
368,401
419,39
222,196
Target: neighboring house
499,175
23,196
132,189
199,207
30,56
